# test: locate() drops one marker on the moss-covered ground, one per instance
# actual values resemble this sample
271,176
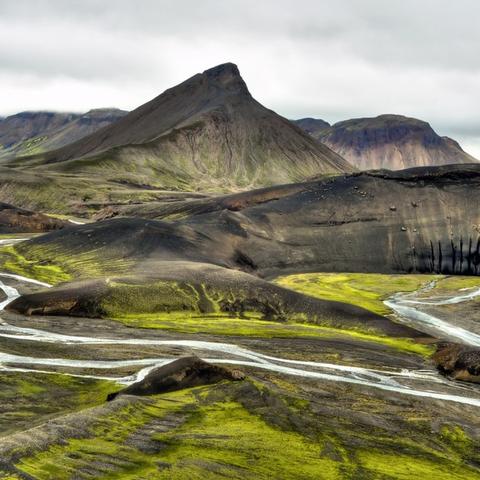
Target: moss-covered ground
367,290
11,260
13,236
246,431
253,326
27,399
146,305
59,267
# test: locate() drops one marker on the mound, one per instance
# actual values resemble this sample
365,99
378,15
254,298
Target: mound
419,220
185,372
313,126
189,288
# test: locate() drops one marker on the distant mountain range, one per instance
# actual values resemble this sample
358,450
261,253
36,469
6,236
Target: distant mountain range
393,142
205,135
27,133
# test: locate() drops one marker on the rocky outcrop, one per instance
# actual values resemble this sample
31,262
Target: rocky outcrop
19,220
186,372
392,142
458,361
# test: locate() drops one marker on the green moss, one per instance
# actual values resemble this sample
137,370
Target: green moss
365,290
26,399
26,388
9,236
242,431
60,266
161,296
456,437
252,325
245,447
454,284
13,261
387,465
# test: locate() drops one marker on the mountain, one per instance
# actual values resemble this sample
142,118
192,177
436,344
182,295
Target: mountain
206,133
18,129
388,141
33,132
313,126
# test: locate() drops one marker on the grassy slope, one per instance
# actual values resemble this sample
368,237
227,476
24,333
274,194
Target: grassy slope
29,399
365,290
370,290
73,195
264,434
13,261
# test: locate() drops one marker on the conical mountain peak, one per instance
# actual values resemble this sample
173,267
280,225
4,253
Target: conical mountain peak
208,131
224,78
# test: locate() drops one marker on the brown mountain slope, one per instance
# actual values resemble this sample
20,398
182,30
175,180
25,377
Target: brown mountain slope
206,133
18,129
389,141
34,132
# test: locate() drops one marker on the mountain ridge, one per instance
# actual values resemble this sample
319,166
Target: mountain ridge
389,141
31,132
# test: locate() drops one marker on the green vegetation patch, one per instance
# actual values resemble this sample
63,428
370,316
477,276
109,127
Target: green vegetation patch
367,290
387,465
187,308
242,431
244,447
60,266
125,299
27,399
201,438
453,284
254,326
13,261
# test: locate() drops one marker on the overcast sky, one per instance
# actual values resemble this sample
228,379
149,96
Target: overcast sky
331,59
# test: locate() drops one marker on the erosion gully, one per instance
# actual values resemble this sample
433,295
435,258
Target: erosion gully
403,381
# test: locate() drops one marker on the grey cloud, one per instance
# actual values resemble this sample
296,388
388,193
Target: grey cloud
331,59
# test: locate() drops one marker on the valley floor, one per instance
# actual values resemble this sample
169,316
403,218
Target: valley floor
318,403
